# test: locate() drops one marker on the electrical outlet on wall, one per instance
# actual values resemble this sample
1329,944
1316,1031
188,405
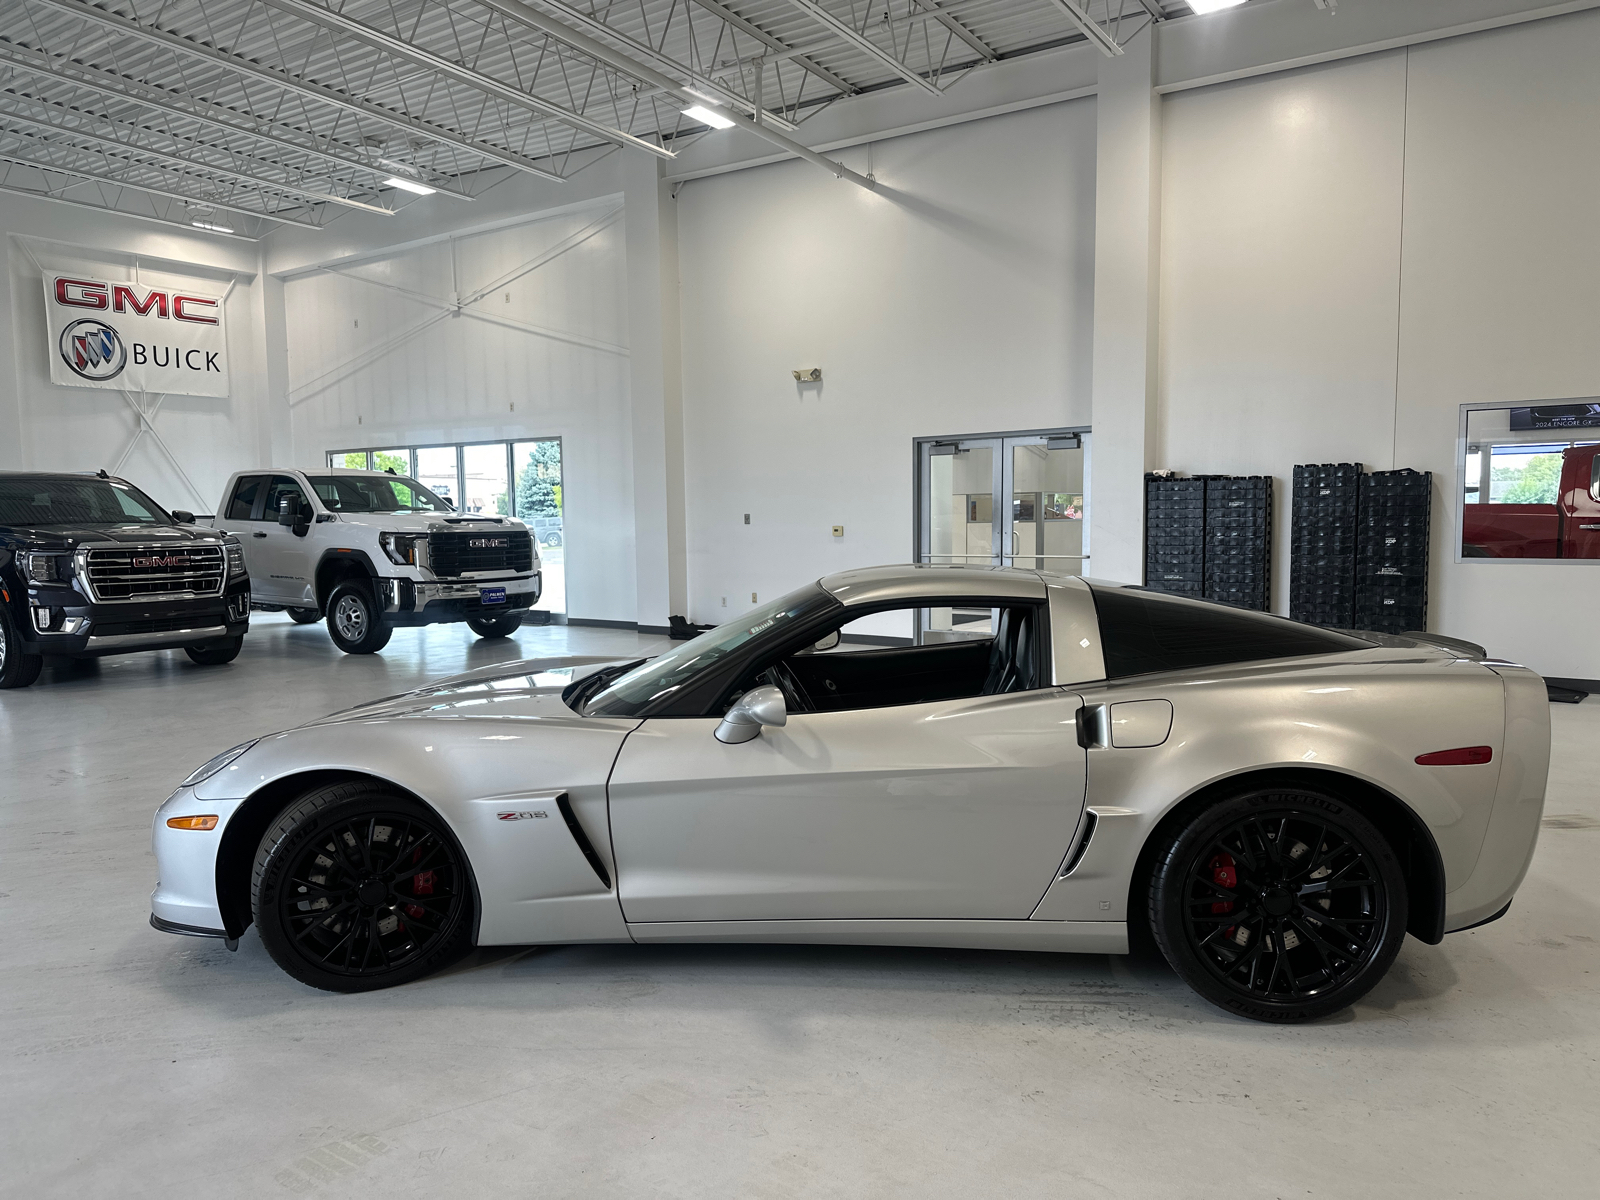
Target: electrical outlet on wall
747,518
838,531
752,597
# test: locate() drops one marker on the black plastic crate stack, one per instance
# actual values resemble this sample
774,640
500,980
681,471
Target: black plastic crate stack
1174,535
1238,557
1392,551
1322,544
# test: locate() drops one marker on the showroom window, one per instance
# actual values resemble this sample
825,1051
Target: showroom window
1530,481
508,479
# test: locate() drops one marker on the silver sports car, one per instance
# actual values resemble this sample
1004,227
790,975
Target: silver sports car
1045,764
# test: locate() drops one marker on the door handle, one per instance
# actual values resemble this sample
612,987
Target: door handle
258,533
1589,526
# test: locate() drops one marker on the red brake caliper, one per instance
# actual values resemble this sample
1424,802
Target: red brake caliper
1224,873
421,885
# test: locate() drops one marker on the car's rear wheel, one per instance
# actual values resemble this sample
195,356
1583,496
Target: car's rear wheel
214,654
1279,905
495,627
354,623
357,887
304,616
18,668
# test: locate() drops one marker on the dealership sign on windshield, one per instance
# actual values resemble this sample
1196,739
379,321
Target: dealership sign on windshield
140,339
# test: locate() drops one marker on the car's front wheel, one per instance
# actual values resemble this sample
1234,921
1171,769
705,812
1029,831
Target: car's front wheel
1279,905
495,627
304,616
357,887
354,622
215,654
18,668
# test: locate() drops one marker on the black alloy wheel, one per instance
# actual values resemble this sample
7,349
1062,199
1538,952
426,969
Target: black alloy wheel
1279,905
214,654
356,888
303,616
354,622
18,668
495,627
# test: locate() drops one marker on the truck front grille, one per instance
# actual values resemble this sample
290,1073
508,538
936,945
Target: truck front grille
152,572
459,552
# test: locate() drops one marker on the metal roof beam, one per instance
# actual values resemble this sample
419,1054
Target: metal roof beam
147,96
518,11
937,13
639,52
1075,13
390,44
184,165
291,83
847,33
14,190
771,43
98,177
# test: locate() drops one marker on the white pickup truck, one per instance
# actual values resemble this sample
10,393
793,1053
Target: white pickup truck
372,551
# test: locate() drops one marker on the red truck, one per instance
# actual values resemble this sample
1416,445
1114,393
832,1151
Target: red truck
1569,528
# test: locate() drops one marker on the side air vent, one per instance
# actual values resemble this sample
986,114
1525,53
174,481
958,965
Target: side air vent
582,838
1090,820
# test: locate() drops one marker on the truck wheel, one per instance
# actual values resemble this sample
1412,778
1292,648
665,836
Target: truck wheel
215,653
1281,905
354,622
493,627
304,616
17,667
357,886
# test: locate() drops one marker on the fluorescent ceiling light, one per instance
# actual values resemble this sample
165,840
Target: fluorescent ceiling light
210,226
409,185
707,117
1211,6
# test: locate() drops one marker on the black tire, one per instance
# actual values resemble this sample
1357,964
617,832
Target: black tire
354,622
396,890
18,666
216,653
1280,905
303,616
495,627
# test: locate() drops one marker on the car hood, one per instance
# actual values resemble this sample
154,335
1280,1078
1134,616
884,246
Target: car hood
529,688
69,537
428,522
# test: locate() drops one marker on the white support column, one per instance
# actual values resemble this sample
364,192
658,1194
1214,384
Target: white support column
656,378
1126,277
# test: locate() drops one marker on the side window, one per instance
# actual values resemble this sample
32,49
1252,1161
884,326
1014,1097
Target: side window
836,676
284,486
131,507
1141,633
244,497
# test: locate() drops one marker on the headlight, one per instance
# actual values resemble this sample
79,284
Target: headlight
235,551
46,568
403,548
217,763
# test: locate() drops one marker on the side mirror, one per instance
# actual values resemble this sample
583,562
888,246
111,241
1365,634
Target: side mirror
290,516
757,707
182,516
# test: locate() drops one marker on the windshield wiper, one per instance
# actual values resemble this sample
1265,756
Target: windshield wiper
576,695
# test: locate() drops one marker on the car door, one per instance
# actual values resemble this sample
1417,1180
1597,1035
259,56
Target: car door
286,557
242,516
951,808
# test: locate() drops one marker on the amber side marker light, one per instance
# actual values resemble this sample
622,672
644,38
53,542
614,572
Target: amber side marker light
191,822
1467,756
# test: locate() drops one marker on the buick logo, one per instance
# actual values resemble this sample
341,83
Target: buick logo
487,543
172,560
93,350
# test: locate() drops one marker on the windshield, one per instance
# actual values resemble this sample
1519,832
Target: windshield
39,501
376,493
628,695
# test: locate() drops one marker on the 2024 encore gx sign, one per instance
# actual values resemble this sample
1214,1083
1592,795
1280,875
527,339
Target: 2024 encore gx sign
124,337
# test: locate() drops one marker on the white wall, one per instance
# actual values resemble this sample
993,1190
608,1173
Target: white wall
956,299
44,426
1351,252
377,357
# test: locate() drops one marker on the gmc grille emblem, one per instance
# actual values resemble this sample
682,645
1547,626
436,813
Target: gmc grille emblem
487,543
170,561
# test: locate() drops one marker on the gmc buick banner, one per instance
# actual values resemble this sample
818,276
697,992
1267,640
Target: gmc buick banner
128,337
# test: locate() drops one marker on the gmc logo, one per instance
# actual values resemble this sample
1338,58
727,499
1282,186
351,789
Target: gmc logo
170,561
119,297
487,543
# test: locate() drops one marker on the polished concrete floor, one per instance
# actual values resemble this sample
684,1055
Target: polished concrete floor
138,1064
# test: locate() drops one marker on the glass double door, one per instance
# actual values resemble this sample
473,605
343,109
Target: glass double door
1001,500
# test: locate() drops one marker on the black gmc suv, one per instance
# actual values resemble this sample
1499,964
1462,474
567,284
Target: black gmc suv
90,565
